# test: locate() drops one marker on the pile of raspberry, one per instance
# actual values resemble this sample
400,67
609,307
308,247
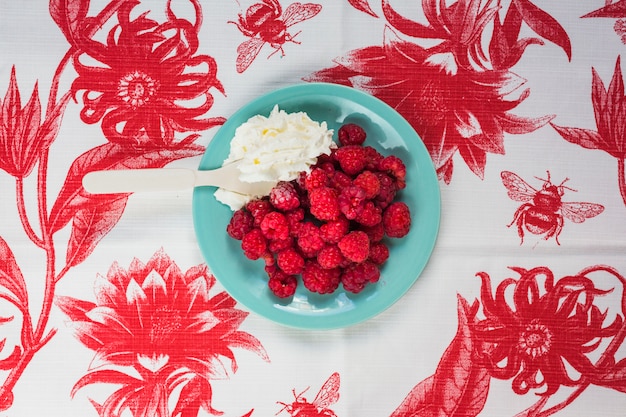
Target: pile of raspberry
328,226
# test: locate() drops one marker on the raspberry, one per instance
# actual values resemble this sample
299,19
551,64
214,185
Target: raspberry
370,216
240,223
387,191
284,196
375,233
351,134
281,284
310,239
333,231
356,276
369,182
394,166
397,219
259,208
290,261
373,158
330,257
324,204
294,219
352,159
340,180
351,201
316,178
254,244
274,226
379,253
355,246
276,245
327,166
320,280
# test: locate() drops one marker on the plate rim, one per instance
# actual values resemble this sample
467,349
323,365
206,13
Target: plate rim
347,318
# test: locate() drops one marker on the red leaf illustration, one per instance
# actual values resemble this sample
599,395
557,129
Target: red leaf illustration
51,125
475,158
584,137
11,361
69,15
103,376
407,26
544,25
505,50
419,401
362,5
614,378
459,386
90,225
11,276
195,394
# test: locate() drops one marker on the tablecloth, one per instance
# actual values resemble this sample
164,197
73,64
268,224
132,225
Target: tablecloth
519,311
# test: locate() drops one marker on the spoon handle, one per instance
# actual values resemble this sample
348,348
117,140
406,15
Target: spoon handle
135,180
170,179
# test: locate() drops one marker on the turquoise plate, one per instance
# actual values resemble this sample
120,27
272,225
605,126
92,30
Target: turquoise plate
387,131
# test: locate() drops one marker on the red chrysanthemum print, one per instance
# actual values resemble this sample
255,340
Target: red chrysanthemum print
164,324
544,328
148,81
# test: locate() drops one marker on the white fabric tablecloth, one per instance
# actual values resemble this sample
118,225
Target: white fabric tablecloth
521,104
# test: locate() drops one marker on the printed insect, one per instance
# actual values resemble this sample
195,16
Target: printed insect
543,211
319,407
264,23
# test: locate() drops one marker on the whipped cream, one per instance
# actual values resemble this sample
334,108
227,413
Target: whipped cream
275,148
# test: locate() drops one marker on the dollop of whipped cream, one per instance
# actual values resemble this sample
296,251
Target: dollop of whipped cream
274,148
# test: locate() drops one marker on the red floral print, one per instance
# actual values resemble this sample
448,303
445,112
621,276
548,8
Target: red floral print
23,135
447,92
147,72
528,334
610,113
164,324
541,329
162,88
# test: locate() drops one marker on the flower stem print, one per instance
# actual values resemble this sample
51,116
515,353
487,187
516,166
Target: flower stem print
610,115
163,324
528,336
461,92
148,71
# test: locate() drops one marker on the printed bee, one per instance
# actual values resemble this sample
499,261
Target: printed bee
319,407
543,211
264,23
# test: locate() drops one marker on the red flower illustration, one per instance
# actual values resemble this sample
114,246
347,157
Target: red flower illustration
532,336
23,135
148,85
451,108
610,113
164,324
456,100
